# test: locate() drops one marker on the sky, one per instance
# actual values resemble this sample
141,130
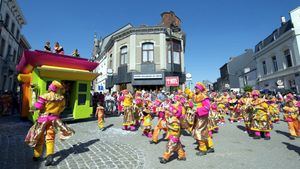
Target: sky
216,29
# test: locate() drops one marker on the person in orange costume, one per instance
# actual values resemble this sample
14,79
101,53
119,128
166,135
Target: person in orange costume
200,128
50,105
174,133
162,123
291,115
100,115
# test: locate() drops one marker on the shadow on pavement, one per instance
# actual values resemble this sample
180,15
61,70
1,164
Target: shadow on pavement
288,135
243,128
107,127
292,147
76,149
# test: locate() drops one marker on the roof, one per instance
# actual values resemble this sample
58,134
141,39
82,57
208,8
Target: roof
274,35
108,37
66,74
39,58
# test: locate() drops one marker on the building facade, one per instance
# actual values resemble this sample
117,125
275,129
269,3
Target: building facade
278,56
144,57
233,70
12,43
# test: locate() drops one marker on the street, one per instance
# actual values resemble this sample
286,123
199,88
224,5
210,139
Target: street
112,147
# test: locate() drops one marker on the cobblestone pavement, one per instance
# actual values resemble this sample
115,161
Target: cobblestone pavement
115,148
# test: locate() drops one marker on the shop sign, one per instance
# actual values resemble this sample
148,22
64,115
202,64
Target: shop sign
172,81
147,76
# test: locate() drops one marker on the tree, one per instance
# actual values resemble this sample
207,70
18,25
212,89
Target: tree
248,88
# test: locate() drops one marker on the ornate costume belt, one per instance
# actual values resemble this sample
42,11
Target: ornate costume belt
47,117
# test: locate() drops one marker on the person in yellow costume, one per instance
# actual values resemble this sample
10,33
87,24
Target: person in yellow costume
261,120
147,123
274,109
50,104
128,119
291,116
222,106
200,129
246,111
174,133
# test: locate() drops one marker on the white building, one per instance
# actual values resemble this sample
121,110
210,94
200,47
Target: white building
100,81
278,56
11,43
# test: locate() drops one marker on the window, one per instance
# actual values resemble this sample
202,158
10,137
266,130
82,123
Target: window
264,67
81,99
2,47
4,82
169,53
123,55
288,58
176,52
82,87
10,82
6,22
15,56
147,52
18,34
8,52
274,61
12,28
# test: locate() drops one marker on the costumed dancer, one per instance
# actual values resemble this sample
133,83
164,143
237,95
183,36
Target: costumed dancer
234,108
161,124
50,105
261,120
138,107
200,128
291,116
247,111
212,119
174,133
147,122
128,119
100,115
274,109
222,107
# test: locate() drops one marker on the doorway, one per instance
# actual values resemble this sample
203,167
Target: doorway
69,95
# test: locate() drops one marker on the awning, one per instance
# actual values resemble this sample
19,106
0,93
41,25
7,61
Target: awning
66,73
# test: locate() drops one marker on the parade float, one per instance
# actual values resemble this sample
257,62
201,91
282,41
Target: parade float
37,69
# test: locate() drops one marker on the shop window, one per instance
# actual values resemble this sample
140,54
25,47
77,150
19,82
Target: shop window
81,99
82,87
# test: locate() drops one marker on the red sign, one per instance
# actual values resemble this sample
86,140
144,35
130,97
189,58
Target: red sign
172,81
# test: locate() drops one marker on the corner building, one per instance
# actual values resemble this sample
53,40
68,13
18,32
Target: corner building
143,57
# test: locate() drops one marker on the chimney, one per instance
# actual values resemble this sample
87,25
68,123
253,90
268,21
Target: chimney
283,20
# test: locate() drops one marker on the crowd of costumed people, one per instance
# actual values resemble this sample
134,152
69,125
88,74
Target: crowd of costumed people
200,113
